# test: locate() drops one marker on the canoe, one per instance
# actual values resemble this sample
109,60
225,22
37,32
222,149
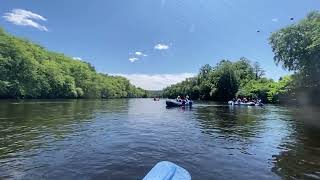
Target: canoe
166,170
244,104
174,103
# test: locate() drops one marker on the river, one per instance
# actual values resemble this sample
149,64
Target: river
123,139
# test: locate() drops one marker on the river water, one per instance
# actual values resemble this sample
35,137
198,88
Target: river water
123,139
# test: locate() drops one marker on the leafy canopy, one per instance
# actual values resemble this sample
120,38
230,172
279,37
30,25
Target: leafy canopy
30,71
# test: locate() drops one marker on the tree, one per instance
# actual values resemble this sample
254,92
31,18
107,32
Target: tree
204,71
229,79
227,83
297,48
244,71
258,71
30,71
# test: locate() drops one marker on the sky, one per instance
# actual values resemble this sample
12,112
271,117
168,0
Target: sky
155,43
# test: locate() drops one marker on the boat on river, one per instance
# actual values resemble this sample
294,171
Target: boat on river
244,104
175,103
166,170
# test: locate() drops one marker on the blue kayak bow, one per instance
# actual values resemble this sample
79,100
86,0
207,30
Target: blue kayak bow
167,171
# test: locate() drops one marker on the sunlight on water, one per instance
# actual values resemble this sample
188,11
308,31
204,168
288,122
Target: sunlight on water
123,139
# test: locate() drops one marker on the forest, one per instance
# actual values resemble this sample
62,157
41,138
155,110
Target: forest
227,80
296,48
30,71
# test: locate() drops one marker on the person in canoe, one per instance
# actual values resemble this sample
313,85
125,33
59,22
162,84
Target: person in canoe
185,100
179,99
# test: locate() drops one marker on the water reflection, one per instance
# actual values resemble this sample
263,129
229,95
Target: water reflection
234,121
123,139
37,119
29,127
289,141
300,155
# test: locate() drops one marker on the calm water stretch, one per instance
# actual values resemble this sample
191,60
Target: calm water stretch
123,139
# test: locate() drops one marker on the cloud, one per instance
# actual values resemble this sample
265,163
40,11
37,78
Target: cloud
136,56
155,81
138,53
161,47
77,58
133,59
25,18
275,20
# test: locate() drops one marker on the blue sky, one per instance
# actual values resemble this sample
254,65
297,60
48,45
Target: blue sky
155,43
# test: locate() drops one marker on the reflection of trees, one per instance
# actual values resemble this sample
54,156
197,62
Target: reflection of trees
299,144
31,124
300,158
230,121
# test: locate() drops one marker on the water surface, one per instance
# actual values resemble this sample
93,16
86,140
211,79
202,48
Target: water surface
123,139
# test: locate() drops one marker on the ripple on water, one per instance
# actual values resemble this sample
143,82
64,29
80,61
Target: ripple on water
123,139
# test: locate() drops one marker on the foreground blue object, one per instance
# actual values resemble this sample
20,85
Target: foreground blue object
167,171
174,103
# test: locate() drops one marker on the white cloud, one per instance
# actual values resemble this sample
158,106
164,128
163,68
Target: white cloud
275,20
25,18
161,47
77,58
155,81
138,53
133,59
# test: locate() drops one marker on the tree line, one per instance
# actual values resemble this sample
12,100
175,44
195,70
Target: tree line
227,80
296,48
30,71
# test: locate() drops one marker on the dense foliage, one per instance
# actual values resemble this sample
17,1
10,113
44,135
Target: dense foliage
30,71
297,48
229,79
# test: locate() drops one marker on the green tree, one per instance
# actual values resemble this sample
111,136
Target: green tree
297,48
30,71
229,79
226,82
244,70
258,71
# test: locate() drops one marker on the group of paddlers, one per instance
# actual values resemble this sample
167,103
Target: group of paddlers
183,99
246,100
